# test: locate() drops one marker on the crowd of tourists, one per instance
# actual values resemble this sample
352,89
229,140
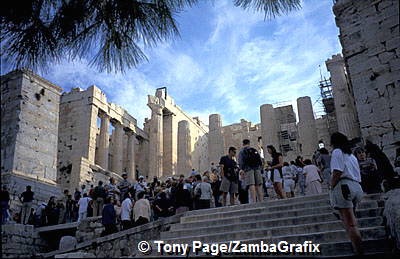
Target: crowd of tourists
244,177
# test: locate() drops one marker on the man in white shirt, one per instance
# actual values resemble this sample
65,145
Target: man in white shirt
141,210
126,209
83,206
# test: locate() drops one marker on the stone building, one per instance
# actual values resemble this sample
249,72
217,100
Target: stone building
29,133
369,35
170,143
97,140
345,110
308,137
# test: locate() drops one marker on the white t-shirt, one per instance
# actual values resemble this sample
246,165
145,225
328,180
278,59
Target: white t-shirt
126,208
345,163
83,204
311,172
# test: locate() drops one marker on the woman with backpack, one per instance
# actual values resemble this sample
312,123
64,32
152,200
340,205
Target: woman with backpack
276,171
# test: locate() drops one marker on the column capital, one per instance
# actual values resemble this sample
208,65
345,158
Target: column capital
116,123
103,114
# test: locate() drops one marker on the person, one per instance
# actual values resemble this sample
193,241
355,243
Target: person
384,167
370,177
204,191
124,186
126,209
69,206
196,181
51,213
243,189
276,171
324,161
139,186
84,190
99,194
288,180
83,204
163,206
109,217
40,219
346,192
313,178
193,172
182,199
112,190
4,204
216,186
142,210
229,175
300,175
26,198
250,162
77,194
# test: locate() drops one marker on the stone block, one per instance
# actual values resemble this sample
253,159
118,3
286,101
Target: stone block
76,255
67,242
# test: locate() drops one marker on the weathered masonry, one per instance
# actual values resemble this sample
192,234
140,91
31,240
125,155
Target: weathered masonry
29,133
370,37
97,139
163,130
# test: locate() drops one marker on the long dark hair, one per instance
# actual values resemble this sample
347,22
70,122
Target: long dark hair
339,140
272,148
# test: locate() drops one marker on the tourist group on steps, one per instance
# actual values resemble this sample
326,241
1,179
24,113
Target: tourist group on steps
240,177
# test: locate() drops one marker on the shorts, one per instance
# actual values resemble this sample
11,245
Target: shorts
228,186
346,194
253,177
288,185
277,176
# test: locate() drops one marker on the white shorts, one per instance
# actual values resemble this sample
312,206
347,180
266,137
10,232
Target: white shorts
277,176
288,185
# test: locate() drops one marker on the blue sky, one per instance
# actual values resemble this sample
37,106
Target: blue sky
227,60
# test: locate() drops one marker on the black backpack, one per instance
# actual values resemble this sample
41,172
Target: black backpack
252,158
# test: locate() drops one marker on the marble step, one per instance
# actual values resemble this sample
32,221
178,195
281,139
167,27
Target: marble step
259,224
274,232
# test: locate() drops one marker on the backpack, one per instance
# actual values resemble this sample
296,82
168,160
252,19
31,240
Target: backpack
99,192
252,158
197,193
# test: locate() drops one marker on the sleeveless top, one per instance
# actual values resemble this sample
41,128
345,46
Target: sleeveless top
275,161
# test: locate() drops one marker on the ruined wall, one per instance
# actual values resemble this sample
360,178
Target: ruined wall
234,135
29,108
369,34
163,127
84,116
345,110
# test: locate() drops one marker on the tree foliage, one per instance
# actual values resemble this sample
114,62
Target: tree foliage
108,33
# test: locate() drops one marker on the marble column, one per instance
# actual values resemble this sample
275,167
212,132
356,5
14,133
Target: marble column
307,127
346,113
269,128
156,141
184,148
131,167
118,148
104,141
215,139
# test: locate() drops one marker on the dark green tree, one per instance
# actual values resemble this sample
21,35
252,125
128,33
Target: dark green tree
108,33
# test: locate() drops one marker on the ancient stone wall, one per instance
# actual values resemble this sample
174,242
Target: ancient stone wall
369,35
345,110
163,137
123,243
87,150
20,241
29,132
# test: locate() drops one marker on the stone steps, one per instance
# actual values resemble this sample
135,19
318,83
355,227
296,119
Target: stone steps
295,220
271,223
277,216
278,208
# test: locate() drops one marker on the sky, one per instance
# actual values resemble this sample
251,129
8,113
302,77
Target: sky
227,60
